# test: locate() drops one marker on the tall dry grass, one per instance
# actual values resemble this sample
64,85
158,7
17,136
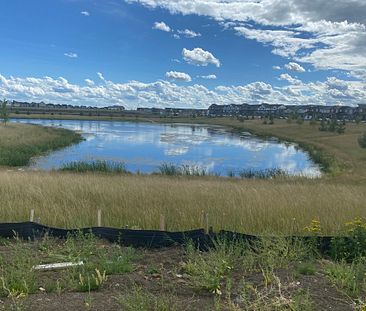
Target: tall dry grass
251,206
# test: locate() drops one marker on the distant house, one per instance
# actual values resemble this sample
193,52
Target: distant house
116,108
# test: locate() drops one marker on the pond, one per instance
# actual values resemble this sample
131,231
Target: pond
143,147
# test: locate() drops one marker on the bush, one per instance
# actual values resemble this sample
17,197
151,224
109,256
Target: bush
362,140
351,244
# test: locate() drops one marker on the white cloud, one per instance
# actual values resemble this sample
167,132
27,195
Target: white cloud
175,36
101,77
174,60
161,26
276,67
209,77
89,82
71,55
328,34
294,67
287,77
200,57
189,33
168,94
85,13
178,76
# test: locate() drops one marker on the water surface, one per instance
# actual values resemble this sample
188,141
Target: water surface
145,146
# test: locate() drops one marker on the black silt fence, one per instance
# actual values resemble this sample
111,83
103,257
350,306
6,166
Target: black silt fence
142,238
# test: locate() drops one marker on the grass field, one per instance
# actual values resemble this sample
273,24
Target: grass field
20,142
281,205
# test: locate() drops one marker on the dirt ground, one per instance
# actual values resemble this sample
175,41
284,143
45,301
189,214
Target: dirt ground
160,273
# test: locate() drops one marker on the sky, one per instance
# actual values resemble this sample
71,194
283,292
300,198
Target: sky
183,53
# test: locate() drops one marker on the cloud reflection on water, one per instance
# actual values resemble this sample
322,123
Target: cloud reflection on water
144,146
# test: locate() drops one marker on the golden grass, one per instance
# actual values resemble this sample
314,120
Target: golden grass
251,206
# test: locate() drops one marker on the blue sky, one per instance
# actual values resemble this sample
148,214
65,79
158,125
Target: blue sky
161,53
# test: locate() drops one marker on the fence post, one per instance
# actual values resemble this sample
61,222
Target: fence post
31,218
207,228
99,218
162,222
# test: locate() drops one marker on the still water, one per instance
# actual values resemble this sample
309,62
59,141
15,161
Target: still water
145,146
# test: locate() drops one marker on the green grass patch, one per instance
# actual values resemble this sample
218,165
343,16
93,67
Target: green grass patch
100,166
19,143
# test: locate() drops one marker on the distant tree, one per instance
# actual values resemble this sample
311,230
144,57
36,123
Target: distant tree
358,120
333,125
362,140
323,126
4,113
341,127
299,120
271,119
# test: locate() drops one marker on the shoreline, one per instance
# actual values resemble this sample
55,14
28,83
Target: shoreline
327,163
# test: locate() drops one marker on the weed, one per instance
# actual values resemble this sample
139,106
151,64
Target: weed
118,260
17,274
268,254
139,300
348,277
305,268
208,270
91,282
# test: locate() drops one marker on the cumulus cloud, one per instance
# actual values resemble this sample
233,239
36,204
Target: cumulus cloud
161,26
294,67
209,77
287,77
189,33
200,57
71,55
328,34
178,76
85,13
89,82
162,93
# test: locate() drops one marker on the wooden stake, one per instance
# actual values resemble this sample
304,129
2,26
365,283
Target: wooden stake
202,219
162,222
31,218
206,224
99,218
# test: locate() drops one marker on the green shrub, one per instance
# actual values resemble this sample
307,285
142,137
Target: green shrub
362,140
351,243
